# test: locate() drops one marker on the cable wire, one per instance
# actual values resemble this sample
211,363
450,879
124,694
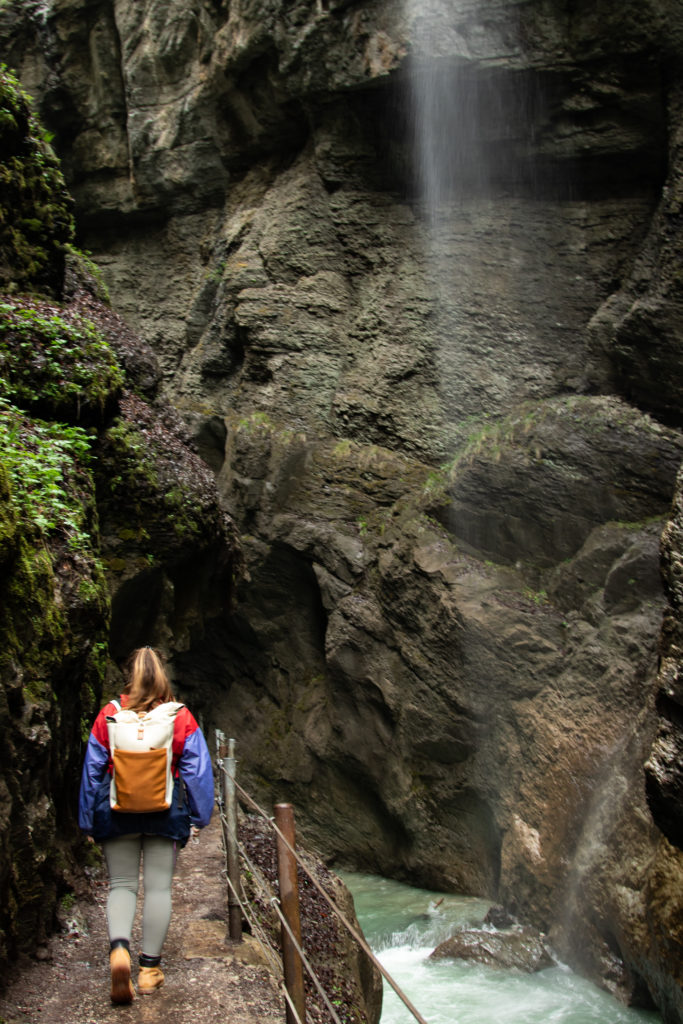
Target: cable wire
335,909
316,981
273,900
268,951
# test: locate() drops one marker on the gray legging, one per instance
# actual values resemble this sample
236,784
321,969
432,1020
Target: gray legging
123,863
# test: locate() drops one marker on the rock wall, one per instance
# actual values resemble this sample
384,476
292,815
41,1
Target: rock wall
88,514
450,443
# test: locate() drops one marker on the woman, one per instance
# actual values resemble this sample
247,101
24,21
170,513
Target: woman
154,836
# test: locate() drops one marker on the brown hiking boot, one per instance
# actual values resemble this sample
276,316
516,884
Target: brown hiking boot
149,979
122,990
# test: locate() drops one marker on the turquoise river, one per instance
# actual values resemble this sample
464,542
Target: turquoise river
403,925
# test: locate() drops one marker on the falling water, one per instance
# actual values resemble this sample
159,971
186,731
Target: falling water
493,241
611,793
403,925
472,123
448,147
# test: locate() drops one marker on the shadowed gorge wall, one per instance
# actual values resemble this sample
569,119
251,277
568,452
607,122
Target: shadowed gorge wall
67,444
447,429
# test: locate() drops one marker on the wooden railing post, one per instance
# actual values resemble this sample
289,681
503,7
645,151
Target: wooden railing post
229,767
289,902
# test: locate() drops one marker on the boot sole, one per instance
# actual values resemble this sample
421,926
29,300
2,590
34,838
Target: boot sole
121,988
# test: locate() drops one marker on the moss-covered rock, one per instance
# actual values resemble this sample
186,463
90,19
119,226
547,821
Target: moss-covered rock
8,516
533,485
169,549
75,457
35,210
53,627
54,606
55,362
146,470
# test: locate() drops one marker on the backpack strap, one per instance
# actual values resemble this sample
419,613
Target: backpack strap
116,704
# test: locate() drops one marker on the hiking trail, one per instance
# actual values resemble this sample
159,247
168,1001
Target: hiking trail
208,978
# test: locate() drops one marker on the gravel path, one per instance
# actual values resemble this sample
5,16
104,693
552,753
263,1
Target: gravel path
208,978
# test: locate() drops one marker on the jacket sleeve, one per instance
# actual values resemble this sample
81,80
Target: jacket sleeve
94,770
95,767
196,771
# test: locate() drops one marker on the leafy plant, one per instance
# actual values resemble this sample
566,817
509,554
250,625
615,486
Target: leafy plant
42,461
539,597
53,362
68,902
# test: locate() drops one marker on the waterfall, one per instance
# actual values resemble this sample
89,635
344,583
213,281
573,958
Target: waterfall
447,109
472,120
610,798
474,111
505,245
445,113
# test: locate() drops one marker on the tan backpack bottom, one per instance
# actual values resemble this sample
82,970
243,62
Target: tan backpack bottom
140,780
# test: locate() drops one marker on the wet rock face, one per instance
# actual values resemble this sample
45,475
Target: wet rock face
53,599
664,779
450,447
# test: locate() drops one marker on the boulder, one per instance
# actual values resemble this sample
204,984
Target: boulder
521,949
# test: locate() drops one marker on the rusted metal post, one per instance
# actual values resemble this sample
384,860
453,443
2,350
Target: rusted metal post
229,765
289,902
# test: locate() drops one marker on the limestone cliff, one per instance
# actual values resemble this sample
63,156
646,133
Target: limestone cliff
444,413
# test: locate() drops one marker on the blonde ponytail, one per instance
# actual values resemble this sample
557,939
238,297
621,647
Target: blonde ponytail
148,683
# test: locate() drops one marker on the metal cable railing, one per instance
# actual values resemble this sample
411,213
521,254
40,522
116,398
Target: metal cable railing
260,934
314,977
275,903
257,930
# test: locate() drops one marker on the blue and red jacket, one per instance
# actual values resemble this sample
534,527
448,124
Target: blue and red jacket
192,802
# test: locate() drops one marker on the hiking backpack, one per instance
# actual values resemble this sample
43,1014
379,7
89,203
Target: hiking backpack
141,746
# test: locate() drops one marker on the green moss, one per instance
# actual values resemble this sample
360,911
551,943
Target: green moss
8,515
116,565
168,511
342,449
36,221
127,534
256,421
52,577
32,624
521,430
86,270
259,425
48,515
67,902
54,607
63,368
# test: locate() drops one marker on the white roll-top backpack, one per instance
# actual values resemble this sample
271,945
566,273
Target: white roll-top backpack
141,746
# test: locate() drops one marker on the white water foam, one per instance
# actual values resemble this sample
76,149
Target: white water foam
403,925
